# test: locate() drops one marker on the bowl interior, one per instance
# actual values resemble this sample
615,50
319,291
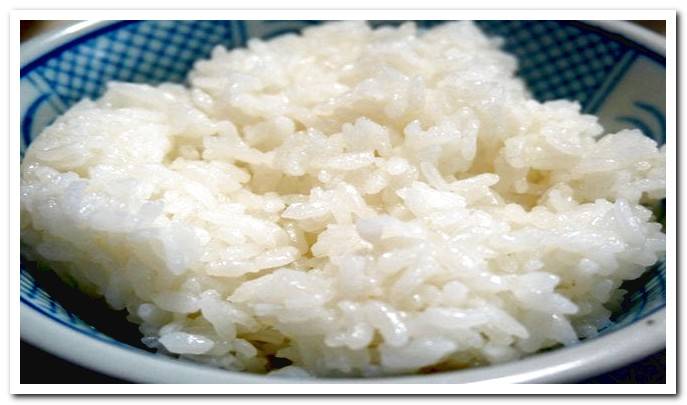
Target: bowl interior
611,76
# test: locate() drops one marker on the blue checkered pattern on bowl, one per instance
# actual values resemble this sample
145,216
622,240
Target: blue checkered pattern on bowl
558,59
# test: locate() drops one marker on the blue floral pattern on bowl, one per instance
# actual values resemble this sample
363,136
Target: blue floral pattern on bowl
612,77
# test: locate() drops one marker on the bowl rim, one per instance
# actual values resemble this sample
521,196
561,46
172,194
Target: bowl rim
595,356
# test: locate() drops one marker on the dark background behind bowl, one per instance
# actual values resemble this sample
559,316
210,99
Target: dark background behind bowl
40,367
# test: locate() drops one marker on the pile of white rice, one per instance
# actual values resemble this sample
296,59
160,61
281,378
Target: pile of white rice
349,201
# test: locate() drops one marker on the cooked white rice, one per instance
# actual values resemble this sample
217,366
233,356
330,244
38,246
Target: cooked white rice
356,201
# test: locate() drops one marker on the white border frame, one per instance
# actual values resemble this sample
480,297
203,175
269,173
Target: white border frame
361,386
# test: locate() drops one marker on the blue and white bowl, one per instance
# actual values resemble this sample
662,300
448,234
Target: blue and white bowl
614,69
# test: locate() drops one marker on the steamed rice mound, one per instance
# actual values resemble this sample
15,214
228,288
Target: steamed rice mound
355,201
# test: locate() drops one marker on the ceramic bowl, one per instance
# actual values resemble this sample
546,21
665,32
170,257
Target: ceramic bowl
614,69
